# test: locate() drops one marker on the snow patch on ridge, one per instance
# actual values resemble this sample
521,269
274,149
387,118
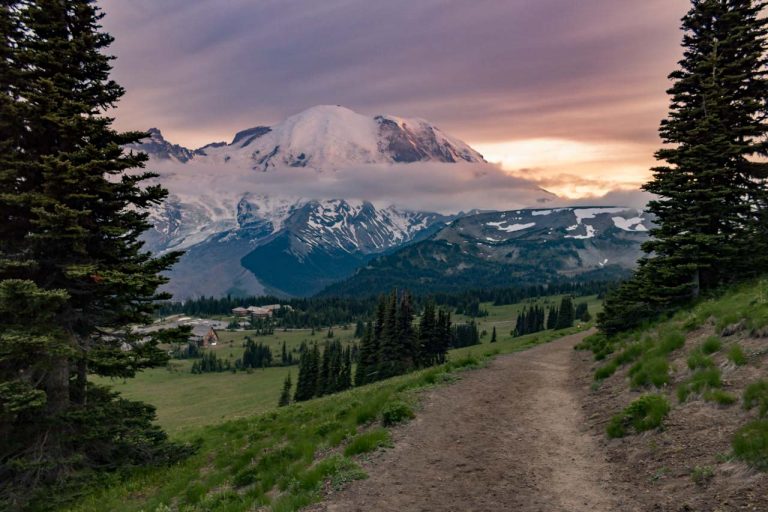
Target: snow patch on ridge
590,213
633,224
511,227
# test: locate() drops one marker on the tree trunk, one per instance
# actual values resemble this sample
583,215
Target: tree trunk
57,385
696,283
80,391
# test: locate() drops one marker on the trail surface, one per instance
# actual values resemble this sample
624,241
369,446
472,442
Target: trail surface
510,437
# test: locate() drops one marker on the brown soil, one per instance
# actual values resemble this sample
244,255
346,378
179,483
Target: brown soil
511,437
665,467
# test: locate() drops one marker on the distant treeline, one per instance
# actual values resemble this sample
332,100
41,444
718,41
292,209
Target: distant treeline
318,312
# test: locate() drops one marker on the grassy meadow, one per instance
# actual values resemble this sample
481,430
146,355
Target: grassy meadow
282,459
186,402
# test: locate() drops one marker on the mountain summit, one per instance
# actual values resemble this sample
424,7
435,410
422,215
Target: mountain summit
325,138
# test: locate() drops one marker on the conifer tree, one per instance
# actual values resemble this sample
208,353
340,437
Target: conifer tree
345,379
324,377
406,335
359,329
493,335
369,351
710,210
427,336
444,336
73,275
285,396
565,315
552,318
389,345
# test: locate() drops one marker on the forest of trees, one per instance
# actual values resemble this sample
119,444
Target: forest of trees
711,204
534,318
323,373
322,312
390,345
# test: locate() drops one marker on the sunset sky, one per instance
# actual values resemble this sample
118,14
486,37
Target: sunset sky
563,92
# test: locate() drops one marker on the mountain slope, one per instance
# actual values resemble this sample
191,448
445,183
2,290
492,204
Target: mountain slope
244,232
324,138
520,247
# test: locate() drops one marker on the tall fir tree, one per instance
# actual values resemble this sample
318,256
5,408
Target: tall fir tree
285,395
427,335
552,317
406,335
74,206
493,335
389,345
369,353
711,195
566,313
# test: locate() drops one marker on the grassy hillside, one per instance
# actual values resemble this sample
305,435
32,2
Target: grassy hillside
283,459
186,402
696,386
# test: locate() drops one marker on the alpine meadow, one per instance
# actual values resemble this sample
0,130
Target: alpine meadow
401,256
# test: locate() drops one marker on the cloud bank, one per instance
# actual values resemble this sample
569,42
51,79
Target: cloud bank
438,187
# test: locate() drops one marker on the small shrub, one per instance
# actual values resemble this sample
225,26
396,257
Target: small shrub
708,378
737,356
756,395
649,371
245,476
326,428
606,370
631,353
670,341
697,360
396,412
368,442
719,397
750,444
711,345
683,391
645,413
702,474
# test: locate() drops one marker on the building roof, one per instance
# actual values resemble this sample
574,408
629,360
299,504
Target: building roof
201,330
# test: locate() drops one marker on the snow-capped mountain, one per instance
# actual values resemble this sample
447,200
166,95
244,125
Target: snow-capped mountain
241,240
295,248
519,247
324,138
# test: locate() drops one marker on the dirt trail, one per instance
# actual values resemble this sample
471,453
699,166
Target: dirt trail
507,438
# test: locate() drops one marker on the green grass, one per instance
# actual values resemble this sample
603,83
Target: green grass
271,459
396,412
651,370
702,381
606,370
748,302
702,474
645,413
750,444
756,395
186,402
720,397
279,460
737,356
697,360
368,442
711,345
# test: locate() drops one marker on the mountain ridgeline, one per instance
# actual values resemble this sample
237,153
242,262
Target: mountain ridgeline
515,248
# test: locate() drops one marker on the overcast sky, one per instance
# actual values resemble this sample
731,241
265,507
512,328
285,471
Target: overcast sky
567,93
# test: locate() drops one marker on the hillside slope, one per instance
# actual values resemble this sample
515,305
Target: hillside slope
704,364
513,248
